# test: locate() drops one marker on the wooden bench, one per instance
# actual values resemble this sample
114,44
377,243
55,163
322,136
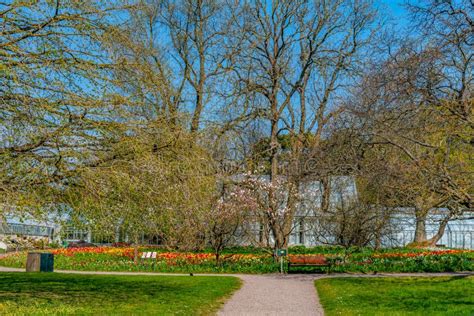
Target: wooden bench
309,261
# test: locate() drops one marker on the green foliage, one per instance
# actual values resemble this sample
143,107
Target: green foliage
397,296
442,263
161,183
34,294
52,119
242,250
260,155
296,250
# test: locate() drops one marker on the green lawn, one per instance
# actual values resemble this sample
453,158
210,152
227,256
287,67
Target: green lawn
397,296
51,293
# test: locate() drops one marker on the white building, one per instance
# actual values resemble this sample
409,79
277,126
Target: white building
459,232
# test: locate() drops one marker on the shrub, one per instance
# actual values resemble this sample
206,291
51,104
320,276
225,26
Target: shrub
121,244
25,243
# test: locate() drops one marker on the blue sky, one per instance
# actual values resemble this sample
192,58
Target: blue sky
396,10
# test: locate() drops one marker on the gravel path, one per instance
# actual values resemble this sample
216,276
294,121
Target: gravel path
274,295
293,294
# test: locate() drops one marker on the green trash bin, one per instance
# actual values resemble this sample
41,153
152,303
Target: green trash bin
40,262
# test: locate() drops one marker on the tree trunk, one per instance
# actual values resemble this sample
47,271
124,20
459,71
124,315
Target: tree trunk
279,244
441,229
217,254
378,239
199,36
274,150
277,236
135,250
288,221
274,222
326,182
197,110
420,229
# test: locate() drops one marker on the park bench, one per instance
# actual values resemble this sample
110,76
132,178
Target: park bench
309,261
148,255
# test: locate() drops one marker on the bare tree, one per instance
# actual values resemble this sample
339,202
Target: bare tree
290,48
178,54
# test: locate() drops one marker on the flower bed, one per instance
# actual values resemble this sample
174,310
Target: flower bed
121,259
419,260
364,260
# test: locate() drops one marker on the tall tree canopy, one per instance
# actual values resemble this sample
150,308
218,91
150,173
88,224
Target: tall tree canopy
134,113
